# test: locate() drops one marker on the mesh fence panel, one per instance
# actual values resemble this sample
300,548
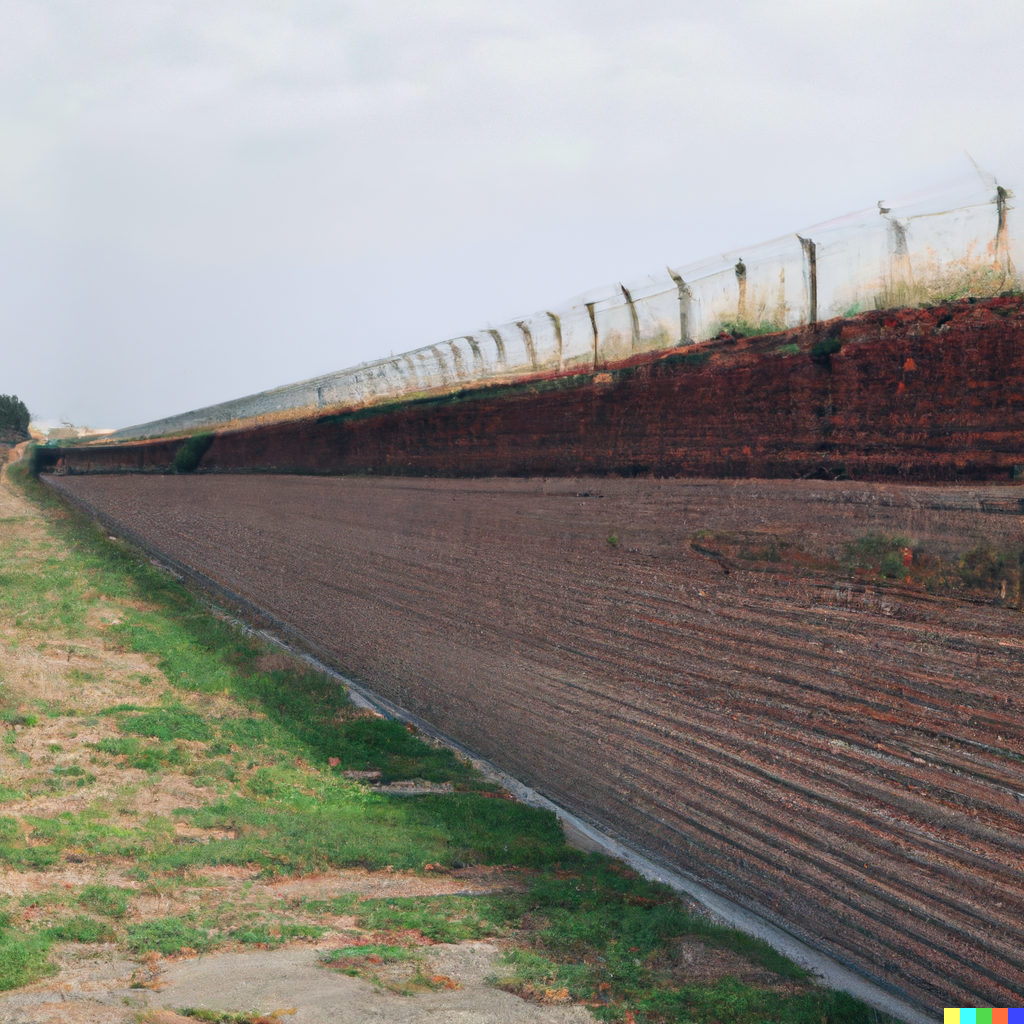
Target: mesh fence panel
941,244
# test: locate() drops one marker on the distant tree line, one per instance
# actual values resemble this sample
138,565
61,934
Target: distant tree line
14,417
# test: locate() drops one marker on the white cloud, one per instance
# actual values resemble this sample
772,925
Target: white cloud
500,155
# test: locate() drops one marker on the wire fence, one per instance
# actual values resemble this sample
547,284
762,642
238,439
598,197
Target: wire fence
945,243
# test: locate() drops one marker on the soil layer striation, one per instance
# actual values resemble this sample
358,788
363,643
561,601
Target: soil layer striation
806,693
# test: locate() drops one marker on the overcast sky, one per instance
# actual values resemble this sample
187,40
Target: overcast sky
199,200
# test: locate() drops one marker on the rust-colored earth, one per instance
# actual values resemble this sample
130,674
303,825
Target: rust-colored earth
911,394
841,752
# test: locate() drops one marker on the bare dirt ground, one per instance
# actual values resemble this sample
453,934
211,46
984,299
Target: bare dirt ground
840,750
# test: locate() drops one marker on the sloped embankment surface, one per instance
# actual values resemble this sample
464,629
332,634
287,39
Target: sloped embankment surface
912,394
841,752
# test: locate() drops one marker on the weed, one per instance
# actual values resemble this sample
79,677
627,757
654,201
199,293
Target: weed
743,328
439,918
88,830
264,935
613,540
351,958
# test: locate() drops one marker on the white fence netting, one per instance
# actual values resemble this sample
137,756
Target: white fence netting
932,246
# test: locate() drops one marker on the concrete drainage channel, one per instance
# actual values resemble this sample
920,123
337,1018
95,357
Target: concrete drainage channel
587,835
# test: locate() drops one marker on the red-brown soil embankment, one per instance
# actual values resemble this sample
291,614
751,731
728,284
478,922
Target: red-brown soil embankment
934,394
845,756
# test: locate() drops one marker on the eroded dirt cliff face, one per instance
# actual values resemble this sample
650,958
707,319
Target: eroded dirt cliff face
914,394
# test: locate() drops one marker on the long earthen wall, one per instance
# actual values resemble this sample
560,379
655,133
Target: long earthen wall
934,394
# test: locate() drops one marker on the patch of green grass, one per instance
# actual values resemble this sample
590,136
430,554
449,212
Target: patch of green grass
604,933
149,757
85,831
787,350
338,905
17,718
81,929
265,935
168,935
687,358
22,958
730,1000
111,901
353,960
119,708
291,827
439,918
166,724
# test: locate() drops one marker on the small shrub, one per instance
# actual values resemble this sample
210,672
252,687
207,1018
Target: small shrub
892,566
190,454
16,718
823,351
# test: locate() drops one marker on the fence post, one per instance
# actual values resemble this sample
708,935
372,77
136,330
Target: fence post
633,318
685,295
557,321
811,259
1003,259
499,342
528,340
593,327
741,284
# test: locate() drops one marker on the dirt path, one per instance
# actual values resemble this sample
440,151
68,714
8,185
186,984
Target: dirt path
841,751
96,988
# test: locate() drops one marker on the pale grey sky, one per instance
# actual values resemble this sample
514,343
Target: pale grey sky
199,200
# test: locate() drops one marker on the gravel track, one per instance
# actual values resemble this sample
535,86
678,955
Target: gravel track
845,759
